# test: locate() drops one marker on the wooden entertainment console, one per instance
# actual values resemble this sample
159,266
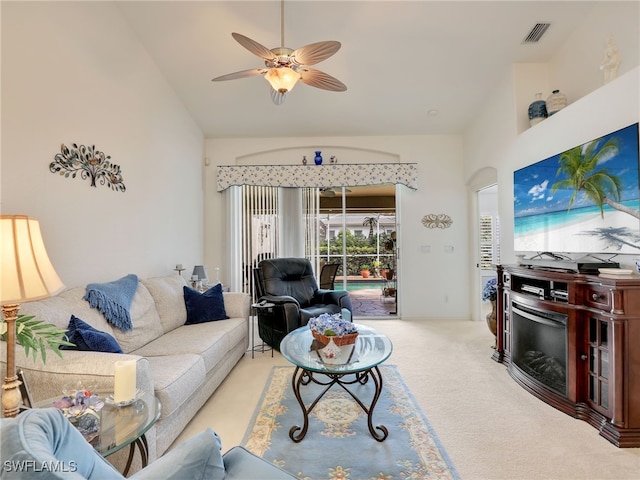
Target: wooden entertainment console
598,380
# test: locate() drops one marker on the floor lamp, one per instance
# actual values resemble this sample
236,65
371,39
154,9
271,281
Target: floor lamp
26,275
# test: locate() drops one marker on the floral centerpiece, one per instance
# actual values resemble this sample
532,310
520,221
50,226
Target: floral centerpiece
82,408
327,327
490,290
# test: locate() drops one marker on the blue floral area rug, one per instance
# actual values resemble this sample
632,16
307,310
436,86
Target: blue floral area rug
338,444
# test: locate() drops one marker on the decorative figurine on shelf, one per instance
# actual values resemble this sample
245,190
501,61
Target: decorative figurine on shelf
318,158
333,159
611,62
304,159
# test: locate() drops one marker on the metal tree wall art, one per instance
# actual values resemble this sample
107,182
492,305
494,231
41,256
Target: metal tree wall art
90,163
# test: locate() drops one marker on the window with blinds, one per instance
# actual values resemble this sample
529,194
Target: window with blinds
489,242
259,229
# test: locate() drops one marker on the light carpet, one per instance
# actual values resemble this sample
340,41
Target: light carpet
338,444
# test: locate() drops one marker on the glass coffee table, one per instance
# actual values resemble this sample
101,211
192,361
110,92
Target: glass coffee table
360,363
123,426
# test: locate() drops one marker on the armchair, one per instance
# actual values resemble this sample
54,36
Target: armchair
290,286
42,444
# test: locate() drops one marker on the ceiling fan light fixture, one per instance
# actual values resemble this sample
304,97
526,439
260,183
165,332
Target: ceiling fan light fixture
282,79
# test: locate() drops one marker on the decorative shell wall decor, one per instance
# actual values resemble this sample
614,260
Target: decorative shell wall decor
90,163
437,220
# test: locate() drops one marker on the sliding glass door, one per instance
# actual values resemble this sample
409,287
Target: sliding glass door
356,228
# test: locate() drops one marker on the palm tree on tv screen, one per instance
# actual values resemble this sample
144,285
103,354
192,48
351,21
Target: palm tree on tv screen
581,169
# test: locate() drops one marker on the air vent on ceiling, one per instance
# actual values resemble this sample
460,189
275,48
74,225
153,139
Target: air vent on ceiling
536,33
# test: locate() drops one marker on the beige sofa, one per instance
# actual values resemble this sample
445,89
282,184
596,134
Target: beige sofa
182,364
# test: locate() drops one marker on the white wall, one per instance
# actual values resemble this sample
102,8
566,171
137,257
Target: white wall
431,286
500,137
610,108
73,72
575,69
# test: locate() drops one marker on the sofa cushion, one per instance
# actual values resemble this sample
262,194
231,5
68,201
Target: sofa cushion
204,307
87,338
176,378
211,340
145,319
168,295
58,310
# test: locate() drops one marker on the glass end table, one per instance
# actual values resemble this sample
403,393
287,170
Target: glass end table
122,426
360,364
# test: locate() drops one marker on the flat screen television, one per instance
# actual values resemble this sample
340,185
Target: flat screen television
584,200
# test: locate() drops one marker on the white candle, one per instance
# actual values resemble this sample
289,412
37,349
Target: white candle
125,381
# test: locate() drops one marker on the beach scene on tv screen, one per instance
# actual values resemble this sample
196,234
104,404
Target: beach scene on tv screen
583,200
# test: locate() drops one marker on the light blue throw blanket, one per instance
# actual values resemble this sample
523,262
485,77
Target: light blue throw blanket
113,300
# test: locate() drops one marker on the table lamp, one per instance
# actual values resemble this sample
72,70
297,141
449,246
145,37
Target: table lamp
26,275
201,273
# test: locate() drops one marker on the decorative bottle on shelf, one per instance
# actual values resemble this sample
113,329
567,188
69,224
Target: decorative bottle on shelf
556,102
537,110
318,158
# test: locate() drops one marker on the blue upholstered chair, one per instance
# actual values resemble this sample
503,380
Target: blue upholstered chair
42,444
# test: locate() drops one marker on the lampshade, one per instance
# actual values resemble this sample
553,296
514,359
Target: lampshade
200,272
26,271
282,79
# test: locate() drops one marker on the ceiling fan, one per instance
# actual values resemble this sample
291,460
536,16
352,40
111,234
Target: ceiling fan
284,66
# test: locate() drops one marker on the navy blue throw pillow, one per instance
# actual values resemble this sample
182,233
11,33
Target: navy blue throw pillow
87,338
204,307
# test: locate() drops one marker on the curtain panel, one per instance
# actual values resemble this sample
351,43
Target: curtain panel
318,176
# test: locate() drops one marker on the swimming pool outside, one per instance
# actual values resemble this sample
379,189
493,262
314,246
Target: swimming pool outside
361,285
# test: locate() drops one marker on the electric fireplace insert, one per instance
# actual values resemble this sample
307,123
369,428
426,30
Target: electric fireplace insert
539,345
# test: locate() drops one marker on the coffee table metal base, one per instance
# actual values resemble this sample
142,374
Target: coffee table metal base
302,377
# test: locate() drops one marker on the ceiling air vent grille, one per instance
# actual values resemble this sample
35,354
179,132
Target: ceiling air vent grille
536,33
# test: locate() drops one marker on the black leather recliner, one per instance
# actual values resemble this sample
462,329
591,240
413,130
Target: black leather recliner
289,284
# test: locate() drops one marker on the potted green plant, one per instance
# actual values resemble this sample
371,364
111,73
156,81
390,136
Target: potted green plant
36,336
364,271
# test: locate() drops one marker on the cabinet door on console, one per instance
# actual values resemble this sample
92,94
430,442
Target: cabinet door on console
599,393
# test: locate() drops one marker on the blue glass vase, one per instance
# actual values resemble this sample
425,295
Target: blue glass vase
537,110
318,158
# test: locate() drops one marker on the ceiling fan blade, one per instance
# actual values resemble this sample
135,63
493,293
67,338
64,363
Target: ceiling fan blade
277,97
254,47
315,52
318,79
252,72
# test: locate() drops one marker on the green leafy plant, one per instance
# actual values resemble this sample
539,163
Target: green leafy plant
37,336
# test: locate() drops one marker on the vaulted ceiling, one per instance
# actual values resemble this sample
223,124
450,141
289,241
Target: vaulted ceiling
411,67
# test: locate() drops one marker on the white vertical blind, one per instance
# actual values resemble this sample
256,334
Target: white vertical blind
489,245
311,210
259,229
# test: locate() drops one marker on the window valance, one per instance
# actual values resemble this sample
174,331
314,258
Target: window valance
320,176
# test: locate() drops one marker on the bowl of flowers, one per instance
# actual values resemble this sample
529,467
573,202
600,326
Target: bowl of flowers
327,328
81,406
